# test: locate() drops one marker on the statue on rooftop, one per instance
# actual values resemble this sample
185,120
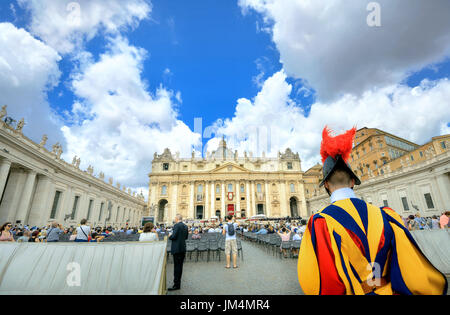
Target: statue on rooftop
43,141
57,150
20,125
3,112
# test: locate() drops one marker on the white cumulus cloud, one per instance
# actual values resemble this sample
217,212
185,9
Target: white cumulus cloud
28,70
67,25
272,121
123,123
329,43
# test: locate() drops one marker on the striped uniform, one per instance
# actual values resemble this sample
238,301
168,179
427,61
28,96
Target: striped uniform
352,247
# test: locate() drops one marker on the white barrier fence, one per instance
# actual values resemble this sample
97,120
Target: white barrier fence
435,244
83,268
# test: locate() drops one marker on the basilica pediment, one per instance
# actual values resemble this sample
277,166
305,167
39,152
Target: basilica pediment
230,168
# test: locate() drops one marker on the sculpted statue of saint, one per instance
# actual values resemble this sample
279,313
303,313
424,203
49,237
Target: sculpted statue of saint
43,141
3,112
20,125
57,150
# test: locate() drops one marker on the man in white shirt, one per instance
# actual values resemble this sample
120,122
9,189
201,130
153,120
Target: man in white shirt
83,232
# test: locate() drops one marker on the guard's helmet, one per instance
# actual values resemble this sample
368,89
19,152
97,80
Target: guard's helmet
335,152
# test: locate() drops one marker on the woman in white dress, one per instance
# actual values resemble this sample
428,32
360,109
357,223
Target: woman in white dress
148,235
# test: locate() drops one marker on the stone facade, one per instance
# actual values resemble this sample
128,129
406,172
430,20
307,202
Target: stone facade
376,152
37,187
224,182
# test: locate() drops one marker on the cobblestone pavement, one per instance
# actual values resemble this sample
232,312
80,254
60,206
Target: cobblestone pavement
259,273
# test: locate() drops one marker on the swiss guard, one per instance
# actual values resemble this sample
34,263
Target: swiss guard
352,247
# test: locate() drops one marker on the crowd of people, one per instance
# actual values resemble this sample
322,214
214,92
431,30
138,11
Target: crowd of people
287,228
283,227
52,232
417,222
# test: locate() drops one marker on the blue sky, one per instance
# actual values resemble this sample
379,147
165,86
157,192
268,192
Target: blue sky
246,62
212,50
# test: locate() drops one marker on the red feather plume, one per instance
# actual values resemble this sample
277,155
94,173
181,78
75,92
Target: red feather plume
339,145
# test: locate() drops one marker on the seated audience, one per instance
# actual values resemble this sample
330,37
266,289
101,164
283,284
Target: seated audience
25,237
196,235
5,233
54,232
34,237
285,237
149,233
95,237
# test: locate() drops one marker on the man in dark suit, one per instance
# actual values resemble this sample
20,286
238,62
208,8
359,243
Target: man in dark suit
178,237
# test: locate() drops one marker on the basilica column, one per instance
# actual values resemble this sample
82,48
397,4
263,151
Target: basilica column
25,200
191,203
247,191
268,208
238,198
41,205
95,211
223,210
213,199
5,165
82,207
174,201
12,195
304,210
119,216
253,198
207,204
153,199
67,205
443,186
284,200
